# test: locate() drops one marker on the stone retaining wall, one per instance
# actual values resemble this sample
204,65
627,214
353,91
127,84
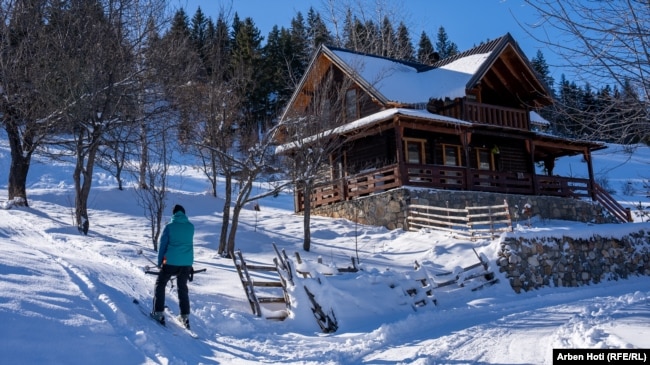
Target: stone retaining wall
388,209
531,263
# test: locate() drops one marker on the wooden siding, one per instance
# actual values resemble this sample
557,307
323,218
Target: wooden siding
370,152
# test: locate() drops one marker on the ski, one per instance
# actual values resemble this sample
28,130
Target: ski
176,321
147,313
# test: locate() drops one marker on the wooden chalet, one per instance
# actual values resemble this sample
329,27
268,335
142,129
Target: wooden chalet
466,122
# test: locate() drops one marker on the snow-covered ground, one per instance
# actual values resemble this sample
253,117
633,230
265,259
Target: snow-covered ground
66,298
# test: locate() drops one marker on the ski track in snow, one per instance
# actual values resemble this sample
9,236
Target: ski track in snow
66,284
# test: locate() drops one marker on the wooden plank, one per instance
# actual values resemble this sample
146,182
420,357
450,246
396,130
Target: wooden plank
416,206
268,284
246,280
261,268
271,300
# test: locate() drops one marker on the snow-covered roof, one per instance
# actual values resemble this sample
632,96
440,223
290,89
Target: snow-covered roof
535,118
367,122
399,82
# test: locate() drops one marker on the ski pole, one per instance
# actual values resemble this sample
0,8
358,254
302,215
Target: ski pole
141,253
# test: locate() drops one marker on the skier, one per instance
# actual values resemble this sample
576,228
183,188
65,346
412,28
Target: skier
175,258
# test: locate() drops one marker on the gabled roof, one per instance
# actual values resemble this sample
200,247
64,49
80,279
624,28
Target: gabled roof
400,83
392,81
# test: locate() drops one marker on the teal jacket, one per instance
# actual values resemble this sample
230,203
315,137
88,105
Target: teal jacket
177,242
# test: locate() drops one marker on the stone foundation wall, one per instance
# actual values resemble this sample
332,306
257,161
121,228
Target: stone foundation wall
388,209
531,263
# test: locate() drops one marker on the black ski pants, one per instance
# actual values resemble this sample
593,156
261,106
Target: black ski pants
182,274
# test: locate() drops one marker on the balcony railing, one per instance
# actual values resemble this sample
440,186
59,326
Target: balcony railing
460,178
488,114
445,177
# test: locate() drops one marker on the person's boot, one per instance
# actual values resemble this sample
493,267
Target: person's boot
184,319
158,316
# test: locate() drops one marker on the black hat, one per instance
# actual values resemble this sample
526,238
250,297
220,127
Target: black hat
178,208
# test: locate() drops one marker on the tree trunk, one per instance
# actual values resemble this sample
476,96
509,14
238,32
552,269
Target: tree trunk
306,244
18,170
243,195
233,228
82,188
20,162
144,156
215,173
225,222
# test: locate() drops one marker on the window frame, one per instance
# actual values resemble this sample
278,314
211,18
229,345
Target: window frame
421,143
490,159
351,104
457,149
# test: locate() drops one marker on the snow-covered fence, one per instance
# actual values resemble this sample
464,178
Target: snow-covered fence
472,222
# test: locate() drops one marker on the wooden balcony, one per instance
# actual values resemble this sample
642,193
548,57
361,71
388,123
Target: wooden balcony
447,178
494,115
460,178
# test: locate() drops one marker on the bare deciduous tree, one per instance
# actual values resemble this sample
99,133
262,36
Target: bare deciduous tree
603,43
153,198
26,92
98,50
313,140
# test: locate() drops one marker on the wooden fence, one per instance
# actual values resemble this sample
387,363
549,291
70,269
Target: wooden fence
471,222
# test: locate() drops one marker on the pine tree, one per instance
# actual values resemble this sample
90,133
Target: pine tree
404,45
568,121
541,68
180,24
199,30
444,46
317,31
300,45
387,42
426,53
246,74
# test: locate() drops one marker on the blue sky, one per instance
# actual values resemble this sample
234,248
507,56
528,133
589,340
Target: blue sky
467,22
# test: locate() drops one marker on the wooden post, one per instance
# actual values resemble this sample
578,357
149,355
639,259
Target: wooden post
399,153
592,191
531,150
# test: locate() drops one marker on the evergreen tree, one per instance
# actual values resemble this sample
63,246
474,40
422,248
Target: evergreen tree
219,47
588,105
349,39
541,68
278,69
246,73
444,46
388,40
404,45
180,24
568,121
633,116
300,45
317,31
199,31
426,53
369,35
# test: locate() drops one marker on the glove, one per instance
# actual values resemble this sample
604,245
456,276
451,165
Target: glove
191,273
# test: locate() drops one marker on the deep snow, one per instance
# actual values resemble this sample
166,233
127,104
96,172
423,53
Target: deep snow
66,298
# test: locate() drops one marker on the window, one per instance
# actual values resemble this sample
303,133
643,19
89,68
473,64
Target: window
450,155
484,159
414,150
351,107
